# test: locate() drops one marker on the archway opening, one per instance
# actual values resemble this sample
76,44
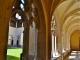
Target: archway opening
15,37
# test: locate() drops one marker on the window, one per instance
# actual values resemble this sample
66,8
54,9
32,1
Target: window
22,1
18,16
22,6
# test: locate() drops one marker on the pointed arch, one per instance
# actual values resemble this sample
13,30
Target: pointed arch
41,55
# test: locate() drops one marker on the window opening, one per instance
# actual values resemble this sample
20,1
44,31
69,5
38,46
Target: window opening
22,6
22,1
18,16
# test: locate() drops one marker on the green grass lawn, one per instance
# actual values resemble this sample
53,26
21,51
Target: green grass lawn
14,53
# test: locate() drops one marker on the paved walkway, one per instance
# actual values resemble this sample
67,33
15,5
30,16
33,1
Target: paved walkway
75,55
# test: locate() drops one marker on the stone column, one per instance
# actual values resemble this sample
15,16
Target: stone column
36,39
49,46
16,24
53,45
56,46
26,44
32,40
21,40
14,43
5,13
22,24
15,40
41,45
60,43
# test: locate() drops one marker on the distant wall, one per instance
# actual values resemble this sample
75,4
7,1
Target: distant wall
15,33
75,40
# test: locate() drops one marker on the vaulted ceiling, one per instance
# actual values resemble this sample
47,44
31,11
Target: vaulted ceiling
68,15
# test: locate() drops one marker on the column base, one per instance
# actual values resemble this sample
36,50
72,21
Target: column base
63,51
56,54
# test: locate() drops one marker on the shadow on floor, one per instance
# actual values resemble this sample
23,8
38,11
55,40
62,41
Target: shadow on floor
12,58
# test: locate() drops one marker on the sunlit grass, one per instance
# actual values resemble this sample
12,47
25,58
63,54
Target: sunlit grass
14,53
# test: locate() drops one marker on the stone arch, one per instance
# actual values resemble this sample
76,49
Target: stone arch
69,14
54,36
70,30
22,13
65,28
55,4
66,10
41,55
25,22
41,36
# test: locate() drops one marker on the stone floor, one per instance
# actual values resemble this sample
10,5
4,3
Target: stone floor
75,55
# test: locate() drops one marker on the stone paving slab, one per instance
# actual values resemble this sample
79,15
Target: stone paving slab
75,55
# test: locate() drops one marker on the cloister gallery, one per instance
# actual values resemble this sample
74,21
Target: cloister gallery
50,29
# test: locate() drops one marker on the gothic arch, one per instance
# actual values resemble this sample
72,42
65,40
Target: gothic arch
54,5
23,14
66,10
42,32
70,30
71,13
